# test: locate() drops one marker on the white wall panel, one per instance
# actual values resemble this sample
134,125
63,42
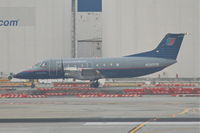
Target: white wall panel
134,26
88,25
48,37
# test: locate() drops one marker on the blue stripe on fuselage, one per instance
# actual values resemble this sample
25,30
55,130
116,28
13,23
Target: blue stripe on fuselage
39,74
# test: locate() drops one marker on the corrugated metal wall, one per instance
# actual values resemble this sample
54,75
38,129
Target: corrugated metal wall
49,36
133,26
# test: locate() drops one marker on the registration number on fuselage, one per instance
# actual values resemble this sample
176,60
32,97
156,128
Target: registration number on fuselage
152,64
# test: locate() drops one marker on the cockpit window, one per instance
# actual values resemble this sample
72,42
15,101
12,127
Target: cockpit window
37,65
41,64
44,64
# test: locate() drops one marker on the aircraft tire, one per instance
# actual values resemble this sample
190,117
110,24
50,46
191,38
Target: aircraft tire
10,77
32,85
94,84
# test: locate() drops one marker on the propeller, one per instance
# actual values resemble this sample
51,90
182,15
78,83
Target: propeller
62,69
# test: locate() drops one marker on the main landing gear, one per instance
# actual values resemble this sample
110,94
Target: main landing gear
94,84
32,84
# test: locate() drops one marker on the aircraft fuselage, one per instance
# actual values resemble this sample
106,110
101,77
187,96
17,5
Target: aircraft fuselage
108,67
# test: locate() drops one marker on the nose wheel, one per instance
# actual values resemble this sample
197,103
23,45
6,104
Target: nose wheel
10,77
94,84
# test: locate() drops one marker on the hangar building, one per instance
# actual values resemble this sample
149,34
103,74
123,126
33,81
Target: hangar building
34,30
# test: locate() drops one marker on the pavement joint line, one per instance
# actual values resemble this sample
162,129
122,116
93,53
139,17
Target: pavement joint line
97,119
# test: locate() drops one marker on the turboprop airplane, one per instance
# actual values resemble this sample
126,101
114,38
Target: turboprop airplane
93,69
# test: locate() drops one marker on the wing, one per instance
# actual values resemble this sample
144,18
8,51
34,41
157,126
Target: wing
82,73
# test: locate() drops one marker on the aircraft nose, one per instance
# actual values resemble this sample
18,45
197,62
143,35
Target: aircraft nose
18,75
23,75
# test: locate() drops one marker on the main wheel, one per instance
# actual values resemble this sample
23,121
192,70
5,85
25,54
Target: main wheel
94,84
33,85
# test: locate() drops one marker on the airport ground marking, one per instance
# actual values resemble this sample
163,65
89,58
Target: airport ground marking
137,123
108,123
185,111
167,130
138,127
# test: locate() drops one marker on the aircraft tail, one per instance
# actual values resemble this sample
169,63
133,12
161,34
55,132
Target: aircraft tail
168,47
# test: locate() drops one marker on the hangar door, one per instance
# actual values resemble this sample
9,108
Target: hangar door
89,48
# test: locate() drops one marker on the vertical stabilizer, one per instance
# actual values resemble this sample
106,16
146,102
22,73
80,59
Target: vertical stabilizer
168,47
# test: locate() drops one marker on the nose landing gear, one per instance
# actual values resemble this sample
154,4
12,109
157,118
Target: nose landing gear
10,77
32,84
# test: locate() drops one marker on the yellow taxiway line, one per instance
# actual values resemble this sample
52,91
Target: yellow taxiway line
138,127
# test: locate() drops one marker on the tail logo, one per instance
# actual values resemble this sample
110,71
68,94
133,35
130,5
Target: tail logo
170,41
